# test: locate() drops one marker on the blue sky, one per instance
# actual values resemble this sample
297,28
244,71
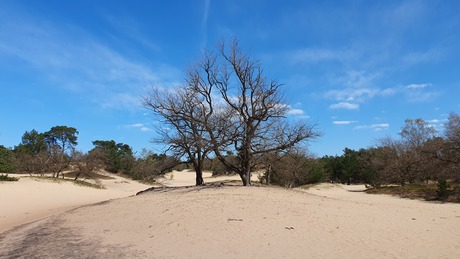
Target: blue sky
356,68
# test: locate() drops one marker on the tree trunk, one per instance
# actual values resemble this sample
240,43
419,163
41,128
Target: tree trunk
248,174
268,174
199,180
246,178
199,176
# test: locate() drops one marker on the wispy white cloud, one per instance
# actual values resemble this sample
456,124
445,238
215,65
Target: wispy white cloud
415,58
344,105
420,92
350,98
295,112
313,55
359,88
135,125
139,126
343,122
351,94
288,108
405,14
357,79
119,101
204,23
418,86
388,91
145,129
132,29
375,127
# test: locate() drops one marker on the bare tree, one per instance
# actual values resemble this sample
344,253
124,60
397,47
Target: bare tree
447,150
451,150
181,113
407,159
399,164
86,164
296,167
416,132
251,117
452,128
227,105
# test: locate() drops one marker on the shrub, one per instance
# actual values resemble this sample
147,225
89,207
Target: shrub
5,177
442,190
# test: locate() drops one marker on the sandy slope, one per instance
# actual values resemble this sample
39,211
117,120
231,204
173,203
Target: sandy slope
30,199
328,221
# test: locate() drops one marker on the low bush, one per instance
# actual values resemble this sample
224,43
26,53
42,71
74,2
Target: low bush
5,177
442,190
431,192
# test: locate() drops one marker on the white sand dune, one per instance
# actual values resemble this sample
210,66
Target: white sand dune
30,199
326,221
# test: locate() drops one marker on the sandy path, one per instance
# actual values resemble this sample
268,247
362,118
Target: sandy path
250,222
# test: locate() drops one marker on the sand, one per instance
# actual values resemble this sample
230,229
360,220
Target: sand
30,199
326,221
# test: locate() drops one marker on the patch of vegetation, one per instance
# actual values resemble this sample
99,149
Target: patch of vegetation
442,190
6,178
91,175
87,184
430,192
308,186
61,180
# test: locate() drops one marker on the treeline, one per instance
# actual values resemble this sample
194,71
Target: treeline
419,156
54,152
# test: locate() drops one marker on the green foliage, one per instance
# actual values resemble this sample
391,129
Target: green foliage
442,190
351,167
32,142
333,168
411,191
5,177
51,151
61,138
117,157
316,172
427,191
7,160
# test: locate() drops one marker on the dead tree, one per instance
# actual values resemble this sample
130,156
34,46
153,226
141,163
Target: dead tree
227,105
180,112
251,118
